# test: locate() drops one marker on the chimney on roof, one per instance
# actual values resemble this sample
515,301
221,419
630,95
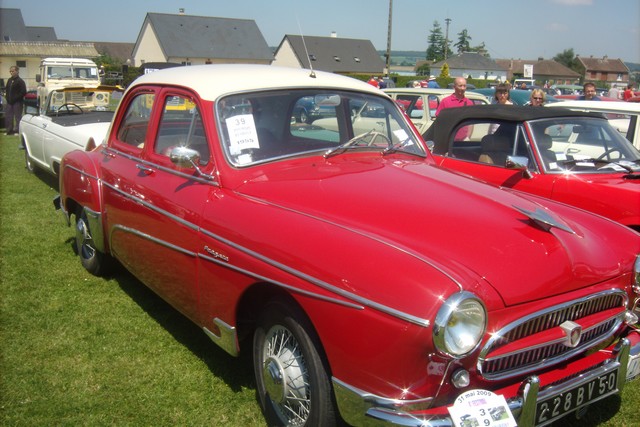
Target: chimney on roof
334,34
181,11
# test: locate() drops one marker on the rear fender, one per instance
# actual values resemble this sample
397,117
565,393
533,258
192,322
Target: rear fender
80,188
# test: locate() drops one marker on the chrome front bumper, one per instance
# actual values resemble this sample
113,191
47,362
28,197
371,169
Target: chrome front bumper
363,409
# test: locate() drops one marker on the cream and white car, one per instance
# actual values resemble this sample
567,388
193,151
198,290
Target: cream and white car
623,116
421,104
72,118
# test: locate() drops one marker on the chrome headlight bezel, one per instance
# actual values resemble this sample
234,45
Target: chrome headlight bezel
460,325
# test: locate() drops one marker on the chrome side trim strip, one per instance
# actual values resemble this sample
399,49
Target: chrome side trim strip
360,233
112,151
359,301
145,236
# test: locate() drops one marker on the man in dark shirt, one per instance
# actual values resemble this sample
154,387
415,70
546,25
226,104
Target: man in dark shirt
15,92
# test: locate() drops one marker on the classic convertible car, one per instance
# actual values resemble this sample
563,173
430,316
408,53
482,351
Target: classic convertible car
570,156
623,116
73,118
368,283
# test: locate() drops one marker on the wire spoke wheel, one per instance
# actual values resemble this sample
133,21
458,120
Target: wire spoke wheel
286,376
292,379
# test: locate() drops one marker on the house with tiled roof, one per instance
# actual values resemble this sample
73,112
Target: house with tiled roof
192,40
604,69
544,70
471,64
332,54
25,46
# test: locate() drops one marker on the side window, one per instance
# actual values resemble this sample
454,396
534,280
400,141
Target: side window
181,126
412,105
134,126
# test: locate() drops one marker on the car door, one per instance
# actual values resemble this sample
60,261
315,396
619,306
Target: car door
480,149
153,207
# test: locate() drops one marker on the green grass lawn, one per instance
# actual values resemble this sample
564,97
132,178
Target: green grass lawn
77,350
81,350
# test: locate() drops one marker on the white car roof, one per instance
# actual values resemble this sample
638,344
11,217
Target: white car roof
604,106
213,81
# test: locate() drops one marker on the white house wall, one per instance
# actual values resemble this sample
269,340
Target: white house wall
286,57
148,49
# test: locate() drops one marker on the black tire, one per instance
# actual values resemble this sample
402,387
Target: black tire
303,117
94,261
291,375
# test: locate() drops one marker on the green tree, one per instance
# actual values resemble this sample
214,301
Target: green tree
444,72
463,42
568,59
436,43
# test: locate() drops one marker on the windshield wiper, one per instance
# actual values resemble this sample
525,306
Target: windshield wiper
344,147
400,147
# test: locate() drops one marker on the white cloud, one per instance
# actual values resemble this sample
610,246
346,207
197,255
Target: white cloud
557,27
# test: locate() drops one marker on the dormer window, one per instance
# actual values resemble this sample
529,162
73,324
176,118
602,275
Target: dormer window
336,58
355,58
312,57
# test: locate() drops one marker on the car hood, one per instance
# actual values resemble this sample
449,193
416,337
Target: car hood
456,224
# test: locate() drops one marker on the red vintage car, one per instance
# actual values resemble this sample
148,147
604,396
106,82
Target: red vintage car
368,283
574,157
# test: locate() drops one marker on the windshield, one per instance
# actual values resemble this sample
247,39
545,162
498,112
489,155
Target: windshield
72,72
82,101
266,126
583,144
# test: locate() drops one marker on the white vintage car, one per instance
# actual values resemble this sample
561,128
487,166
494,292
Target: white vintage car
623,116
421,104
73,118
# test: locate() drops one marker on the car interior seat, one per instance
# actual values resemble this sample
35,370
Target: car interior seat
495,149
545,143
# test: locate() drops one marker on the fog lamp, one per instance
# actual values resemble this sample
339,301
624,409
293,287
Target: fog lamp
460,378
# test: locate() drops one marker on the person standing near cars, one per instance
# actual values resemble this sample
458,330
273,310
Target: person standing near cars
628,92
457,98
589,93
502,95
537,98
15,91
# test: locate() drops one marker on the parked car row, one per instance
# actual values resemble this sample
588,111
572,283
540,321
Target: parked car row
371,280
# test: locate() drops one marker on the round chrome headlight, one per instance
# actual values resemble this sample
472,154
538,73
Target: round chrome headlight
460,325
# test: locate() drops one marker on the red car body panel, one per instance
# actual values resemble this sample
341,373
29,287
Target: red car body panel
370,246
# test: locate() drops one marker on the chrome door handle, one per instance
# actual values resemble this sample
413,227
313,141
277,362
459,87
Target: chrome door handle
145,169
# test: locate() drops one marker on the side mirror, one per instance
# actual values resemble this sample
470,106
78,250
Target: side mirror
519,163
184,157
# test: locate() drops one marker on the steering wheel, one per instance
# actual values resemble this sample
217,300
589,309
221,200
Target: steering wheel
69,106
608,152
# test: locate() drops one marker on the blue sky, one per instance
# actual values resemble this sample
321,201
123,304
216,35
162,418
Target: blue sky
510,29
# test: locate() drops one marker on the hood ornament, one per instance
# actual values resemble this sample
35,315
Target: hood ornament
544,220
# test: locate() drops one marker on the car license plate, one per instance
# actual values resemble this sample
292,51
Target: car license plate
556,406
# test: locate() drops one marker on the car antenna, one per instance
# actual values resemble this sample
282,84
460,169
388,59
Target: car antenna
306,52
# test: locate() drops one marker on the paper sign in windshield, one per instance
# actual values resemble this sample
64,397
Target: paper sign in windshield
242,133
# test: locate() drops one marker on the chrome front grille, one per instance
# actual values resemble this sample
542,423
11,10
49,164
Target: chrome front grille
525,358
